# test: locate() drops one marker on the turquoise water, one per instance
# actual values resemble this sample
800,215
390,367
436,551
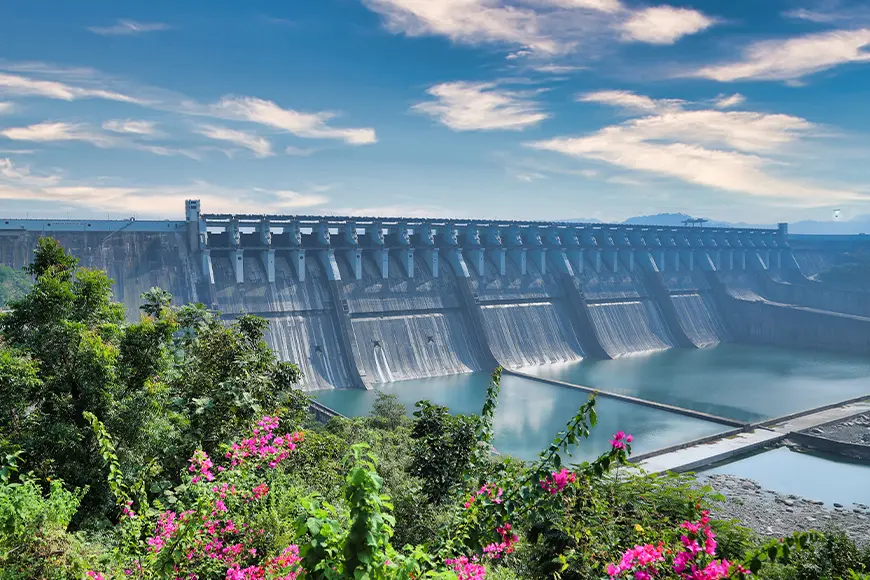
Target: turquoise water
811,475
531,413
747,383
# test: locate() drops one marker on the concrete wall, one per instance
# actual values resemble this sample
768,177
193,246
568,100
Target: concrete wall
766,323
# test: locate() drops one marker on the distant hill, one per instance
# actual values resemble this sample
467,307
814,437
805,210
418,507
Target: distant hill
667,219
858,225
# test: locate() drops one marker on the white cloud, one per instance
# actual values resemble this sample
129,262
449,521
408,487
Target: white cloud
17,85
259,145
529,177
308,125
556,69
6,107
728,101
467,21
737,151
610,6
19,183
130,126
64,132
793,58
664,24
12,172
630,101
128,28
465,106
48,132
244,108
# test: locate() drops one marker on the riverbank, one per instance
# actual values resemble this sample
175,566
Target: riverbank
773,515
855,430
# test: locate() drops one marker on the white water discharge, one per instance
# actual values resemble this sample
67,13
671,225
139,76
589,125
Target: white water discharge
813,263
700,319
530,334
742,285
525,317
630,327
407,328
302,328
415,346
311,341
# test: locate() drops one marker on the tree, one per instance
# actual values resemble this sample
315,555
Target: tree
443,445
155,301
387,412
13,284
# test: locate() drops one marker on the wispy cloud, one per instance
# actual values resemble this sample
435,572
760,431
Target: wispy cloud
664,24
793,58
54,132
268,113
6,107
49,132
130,126
18,182
540,27
728,101
259,145
22,86
632,102
129,28
22,175
87,83
467,21
738,151
465,106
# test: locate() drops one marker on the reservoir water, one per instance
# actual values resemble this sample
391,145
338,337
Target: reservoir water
813,475
747,383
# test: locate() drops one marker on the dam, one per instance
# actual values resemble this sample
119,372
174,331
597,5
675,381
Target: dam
427,307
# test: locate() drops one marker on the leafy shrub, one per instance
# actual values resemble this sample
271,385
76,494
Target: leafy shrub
33,538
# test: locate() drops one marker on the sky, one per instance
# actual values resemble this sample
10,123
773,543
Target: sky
745,110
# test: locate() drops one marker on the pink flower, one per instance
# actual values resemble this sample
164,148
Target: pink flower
557,481
467,569
620,439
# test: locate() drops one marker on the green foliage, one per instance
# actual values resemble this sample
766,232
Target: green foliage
13,284
155,302
387,412
443,445
176,380
810,556
33,538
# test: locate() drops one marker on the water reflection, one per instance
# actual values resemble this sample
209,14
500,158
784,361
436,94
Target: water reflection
530,413
748,383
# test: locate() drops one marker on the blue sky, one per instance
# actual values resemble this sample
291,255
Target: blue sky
750,111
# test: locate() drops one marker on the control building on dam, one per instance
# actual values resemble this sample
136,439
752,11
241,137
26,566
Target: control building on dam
358,301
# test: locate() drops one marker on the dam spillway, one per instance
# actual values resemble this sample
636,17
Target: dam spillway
362,301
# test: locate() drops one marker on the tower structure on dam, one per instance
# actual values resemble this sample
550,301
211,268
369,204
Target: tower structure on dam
356,301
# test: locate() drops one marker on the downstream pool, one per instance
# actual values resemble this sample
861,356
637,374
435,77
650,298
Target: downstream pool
811,475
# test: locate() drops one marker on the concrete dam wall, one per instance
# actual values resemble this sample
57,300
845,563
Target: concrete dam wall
357,301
